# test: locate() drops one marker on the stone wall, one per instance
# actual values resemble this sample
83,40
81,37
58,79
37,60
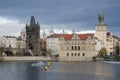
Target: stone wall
28,58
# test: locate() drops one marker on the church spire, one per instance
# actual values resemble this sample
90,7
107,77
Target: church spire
63,31
32,22
38,24
52,31
44,34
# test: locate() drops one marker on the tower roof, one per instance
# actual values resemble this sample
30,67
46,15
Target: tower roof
101,14
101,18
23,29
32,22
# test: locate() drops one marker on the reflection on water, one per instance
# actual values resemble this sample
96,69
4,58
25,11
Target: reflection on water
60,71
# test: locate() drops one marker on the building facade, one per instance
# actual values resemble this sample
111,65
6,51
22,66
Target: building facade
76,47
72,47
52,44
11,42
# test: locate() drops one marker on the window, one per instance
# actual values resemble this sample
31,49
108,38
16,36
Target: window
83,54
71,54
78,47
75,54
78,54
67,54
72,48
75,48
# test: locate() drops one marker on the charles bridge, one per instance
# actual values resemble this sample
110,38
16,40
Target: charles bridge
14,52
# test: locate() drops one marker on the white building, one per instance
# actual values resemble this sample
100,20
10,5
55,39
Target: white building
11,42
52,44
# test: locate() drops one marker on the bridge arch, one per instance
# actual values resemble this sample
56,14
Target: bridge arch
9,53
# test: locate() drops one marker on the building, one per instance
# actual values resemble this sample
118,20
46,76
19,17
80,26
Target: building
33,36
43,43
76,47
83,47
72,47
52,43
12,42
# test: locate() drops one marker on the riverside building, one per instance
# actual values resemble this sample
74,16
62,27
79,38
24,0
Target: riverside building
83,47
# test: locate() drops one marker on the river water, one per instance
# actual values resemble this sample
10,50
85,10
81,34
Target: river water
60,71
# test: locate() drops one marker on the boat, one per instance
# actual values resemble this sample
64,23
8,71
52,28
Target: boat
40,63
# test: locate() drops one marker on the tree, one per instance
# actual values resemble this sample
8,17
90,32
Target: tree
102,52
1,50
117,50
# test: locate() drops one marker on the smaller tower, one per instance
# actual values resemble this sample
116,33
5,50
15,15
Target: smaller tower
63,31
51,31
23,34
44,35
73,31
101,28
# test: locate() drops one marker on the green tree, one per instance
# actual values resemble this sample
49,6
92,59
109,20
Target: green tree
1,50
117,50
102,52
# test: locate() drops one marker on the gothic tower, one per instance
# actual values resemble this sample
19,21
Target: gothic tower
33,36
101,28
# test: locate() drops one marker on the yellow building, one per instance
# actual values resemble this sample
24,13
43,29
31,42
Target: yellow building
76,47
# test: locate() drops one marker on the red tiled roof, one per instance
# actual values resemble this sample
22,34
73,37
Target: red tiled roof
84,36
69,36
54,36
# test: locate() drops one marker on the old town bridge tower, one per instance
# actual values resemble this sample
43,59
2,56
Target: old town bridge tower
33,37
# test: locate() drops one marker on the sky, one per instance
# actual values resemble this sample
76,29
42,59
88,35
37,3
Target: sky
78,15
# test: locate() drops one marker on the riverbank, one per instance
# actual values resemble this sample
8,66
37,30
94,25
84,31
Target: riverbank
1,58
27,58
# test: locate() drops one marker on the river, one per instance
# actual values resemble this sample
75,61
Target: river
60,71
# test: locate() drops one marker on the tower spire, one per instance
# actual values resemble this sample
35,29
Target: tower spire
32,22
44,34
52,31
63,31
101,17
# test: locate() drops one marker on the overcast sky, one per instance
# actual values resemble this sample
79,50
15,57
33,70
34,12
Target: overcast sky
80,15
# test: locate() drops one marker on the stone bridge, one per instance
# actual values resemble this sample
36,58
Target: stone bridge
13,51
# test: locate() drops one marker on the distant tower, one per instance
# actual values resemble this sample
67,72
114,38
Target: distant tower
44,35
101,28
63,31
73,31
33,36
23,34
51,31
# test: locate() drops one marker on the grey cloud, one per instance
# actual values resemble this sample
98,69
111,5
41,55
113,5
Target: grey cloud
51,12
